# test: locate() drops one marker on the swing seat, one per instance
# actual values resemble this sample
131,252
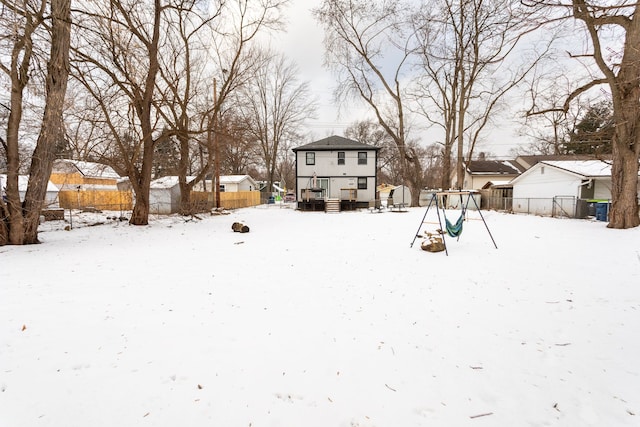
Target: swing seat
454,230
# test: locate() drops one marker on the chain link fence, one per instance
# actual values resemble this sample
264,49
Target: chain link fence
557,207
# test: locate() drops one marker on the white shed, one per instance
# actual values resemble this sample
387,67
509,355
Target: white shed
397,194
164,195
51,196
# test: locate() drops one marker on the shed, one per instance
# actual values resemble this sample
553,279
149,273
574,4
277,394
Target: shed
395,194
164,195
51,196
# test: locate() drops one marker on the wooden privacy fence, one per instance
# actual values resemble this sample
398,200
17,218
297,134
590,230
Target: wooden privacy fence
228,200
99,199
123,200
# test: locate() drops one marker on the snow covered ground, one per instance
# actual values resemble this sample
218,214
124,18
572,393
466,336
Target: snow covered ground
315,319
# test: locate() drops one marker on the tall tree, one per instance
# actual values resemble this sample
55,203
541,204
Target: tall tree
466,49
27,18
274,104
117,60
368,47
22,23
613,31
216,50
52,133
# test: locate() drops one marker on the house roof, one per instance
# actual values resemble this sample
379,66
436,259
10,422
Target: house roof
494,167
586,168
235,179
89,169
333,143
167,182
529,161
496,184
582,168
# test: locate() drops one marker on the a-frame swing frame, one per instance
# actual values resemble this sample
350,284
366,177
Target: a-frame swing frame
434,200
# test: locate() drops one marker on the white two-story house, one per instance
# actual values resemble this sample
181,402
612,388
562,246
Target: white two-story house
336,168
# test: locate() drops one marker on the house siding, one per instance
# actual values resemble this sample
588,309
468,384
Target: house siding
551,183
341,176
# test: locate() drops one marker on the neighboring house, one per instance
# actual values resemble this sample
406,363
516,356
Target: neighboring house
335,168
231,184
530,160
236,183
477,173
563,182
50,198
78,175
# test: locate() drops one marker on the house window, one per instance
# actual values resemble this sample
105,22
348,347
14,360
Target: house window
311,158
362,157
222,188
341,157
541,170
362,183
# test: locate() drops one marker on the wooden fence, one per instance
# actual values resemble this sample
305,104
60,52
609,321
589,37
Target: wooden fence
123,200
228,200
99,199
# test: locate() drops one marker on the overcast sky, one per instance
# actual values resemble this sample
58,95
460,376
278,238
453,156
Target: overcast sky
303,43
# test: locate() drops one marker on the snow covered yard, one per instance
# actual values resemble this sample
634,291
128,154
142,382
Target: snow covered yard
316,319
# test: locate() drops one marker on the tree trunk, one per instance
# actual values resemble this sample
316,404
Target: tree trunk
624,190
140,213
52,131
445,180
14,208
626,138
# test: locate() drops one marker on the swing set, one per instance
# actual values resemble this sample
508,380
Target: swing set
452,229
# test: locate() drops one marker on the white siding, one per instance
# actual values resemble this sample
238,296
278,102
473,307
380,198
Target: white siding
326,164
602,189
546,182
340,176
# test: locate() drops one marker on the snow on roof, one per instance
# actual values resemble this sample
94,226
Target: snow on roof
496,183
23,182
587,168
233,179
167,182
90,169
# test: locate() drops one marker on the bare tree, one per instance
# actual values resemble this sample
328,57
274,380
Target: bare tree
368,47
52,133
28,18
116,59
371,133
22,22
204,52
617,59
274,104
466,49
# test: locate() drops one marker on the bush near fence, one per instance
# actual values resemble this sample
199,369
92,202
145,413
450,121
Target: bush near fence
99,199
